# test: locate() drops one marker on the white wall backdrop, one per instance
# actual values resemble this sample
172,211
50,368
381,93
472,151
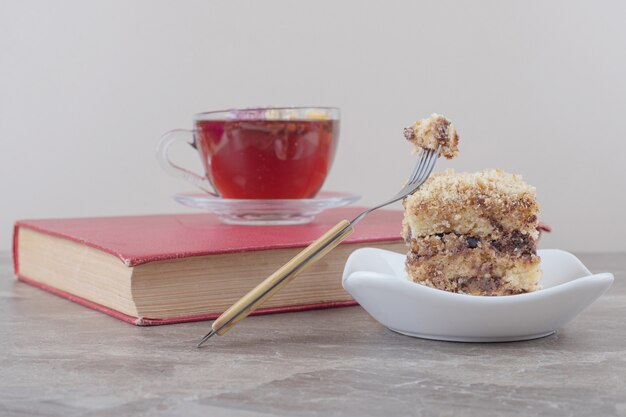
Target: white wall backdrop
538,88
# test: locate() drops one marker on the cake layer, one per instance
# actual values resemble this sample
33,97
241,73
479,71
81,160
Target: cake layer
476,272
486,204
512,244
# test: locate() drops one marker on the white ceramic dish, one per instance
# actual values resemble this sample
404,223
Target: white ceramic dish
377,280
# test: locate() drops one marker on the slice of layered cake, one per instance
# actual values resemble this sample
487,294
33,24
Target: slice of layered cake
473,233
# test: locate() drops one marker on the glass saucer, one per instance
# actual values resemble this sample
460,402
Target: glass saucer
266,212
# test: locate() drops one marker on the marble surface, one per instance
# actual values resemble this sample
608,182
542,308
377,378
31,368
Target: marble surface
60,359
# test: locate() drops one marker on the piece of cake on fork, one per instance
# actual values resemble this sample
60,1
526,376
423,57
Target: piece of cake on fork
434,131
473,233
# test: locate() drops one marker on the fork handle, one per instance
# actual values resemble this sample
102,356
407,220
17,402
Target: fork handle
283,276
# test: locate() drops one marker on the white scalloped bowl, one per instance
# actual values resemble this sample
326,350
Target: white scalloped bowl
377,279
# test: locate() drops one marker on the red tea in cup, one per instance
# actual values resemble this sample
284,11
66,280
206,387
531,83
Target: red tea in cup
274,153
267,159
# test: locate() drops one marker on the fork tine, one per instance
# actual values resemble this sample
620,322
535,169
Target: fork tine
416,169
418,166
423,168
427,169
433,161
431,165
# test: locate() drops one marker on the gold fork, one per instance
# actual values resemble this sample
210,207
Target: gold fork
315,251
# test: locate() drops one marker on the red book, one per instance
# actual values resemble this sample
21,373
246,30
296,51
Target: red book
162,269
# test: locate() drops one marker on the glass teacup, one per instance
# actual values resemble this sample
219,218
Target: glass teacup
260,153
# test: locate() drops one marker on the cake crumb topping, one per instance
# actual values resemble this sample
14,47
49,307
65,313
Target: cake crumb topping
489,186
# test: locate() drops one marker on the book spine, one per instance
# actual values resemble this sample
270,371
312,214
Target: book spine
15,259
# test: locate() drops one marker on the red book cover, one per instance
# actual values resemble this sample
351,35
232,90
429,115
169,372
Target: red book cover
136,240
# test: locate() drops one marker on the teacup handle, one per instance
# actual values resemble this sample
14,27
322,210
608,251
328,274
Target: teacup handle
176,170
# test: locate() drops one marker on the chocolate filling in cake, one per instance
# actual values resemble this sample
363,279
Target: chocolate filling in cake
513,244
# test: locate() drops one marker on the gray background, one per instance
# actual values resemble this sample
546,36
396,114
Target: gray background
538,88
